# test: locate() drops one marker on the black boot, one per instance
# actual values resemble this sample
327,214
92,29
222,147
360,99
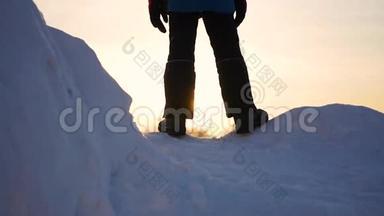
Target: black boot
173,126
179,84
247,123
237,96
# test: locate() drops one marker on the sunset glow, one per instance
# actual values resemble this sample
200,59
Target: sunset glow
314,52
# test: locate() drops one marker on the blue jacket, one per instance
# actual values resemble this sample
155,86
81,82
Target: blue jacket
221,6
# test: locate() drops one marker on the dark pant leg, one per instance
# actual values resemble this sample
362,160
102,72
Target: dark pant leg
182,36
233,73
223,35
179,77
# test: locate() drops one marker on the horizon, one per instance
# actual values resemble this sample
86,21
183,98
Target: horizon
323,52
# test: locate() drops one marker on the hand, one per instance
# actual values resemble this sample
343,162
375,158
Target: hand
241,10
158,8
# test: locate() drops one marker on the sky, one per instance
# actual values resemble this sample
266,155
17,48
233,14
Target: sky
299,53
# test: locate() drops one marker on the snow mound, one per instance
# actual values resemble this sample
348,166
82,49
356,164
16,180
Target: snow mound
316,161
332,170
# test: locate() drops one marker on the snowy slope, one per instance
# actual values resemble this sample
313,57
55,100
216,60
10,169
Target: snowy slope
44,171
335,170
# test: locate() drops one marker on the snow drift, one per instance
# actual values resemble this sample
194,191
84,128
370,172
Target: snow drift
332,170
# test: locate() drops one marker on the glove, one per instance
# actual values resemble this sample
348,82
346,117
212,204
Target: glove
158,8
241,10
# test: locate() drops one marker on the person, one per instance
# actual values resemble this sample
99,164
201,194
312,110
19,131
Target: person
179,77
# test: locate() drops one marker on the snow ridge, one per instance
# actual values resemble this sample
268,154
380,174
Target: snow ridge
331,167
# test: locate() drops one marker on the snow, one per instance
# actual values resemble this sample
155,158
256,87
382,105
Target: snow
319,161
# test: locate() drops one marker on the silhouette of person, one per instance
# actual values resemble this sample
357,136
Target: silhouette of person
179,77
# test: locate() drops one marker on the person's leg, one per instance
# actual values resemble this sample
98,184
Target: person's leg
179,77
182,36
223,35
233,73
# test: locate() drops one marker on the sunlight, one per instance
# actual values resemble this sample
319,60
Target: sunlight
296,52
